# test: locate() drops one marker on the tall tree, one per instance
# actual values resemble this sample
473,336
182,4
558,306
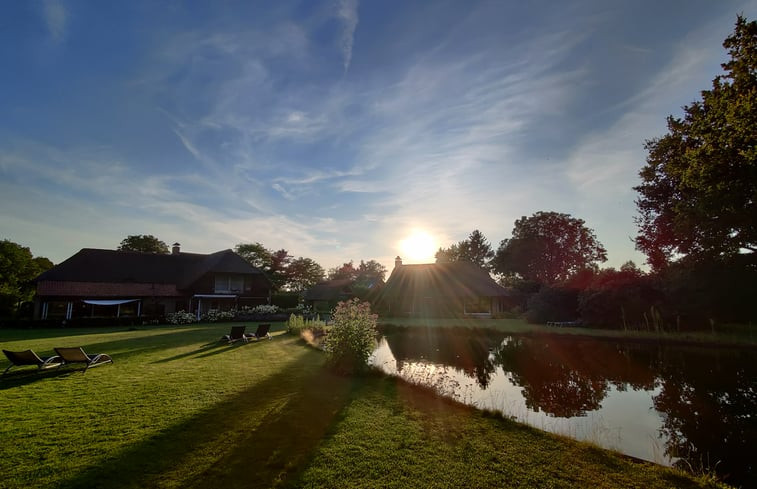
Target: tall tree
447,255
369,273
277,271
273,263
303,273
698,196
475,249
17,270
255,254
371,269
144,243
346,271
548,247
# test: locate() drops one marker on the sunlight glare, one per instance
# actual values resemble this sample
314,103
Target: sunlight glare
419,246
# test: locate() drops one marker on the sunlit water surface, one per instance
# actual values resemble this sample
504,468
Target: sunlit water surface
689,406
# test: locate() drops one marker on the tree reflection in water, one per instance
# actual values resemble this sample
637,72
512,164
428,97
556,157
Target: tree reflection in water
708,403
706,397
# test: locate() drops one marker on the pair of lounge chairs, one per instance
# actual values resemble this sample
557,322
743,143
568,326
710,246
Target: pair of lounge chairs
64,356
237,334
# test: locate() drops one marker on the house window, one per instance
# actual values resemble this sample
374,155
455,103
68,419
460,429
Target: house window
58,310
478,305
228,283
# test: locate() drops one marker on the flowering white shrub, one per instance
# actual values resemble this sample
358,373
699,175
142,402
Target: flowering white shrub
352,337
181,317
214,315
265,309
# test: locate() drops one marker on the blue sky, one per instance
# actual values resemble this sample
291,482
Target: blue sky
337,129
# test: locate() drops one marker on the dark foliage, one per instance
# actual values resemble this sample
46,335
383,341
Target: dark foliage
475,249
549,248
698,196
553,303
143,243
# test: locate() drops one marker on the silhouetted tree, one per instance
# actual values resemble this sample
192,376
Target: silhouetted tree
698,195
370,271
346,271
475,249
256,255
143,243
18,268
548,247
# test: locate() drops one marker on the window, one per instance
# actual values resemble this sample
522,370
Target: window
479,305
229,283
57,309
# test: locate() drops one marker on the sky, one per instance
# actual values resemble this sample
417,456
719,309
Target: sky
338,130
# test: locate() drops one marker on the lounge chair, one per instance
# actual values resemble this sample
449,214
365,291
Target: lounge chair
28,357
77,355
260,333
236,334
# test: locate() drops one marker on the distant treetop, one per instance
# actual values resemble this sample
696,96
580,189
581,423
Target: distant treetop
143,243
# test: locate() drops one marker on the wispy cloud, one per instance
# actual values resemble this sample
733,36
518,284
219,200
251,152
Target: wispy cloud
56,18
347,13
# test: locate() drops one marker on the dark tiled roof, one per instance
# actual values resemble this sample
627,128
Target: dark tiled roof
329,291
456,279
109,266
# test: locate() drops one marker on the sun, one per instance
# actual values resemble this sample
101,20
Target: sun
419,246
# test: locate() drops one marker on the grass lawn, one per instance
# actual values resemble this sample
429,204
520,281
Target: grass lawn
179,409
730,334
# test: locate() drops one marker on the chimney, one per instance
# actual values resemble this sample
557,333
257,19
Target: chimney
397,262
176,249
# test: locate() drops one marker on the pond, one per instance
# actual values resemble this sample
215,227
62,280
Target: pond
688,406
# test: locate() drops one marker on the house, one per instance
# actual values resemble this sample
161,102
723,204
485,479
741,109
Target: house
324,296
443,290
107,283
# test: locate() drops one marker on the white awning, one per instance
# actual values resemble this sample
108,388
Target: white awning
214,296
108,303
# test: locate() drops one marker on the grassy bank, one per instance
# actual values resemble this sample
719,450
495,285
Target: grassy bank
734,335
179,409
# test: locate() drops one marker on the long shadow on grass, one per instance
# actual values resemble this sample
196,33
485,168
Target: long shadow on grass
126,347
23,377
300,402
206,350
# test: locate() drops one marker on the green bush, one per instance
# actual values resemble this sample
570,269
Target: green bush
297,324
552,304
285,301
352,337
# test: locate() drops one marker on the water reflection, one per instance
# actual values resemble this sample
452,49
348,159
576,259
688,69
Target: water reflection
689,406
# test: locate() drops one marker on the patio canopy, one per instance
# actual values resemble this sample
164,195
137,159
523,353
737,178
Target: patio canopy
108,302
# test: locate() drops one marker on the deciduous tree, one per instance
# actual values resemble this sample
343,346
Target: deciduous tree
303,273
370,271
17,270
346,271
548,247
255,254
143,243
698,196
